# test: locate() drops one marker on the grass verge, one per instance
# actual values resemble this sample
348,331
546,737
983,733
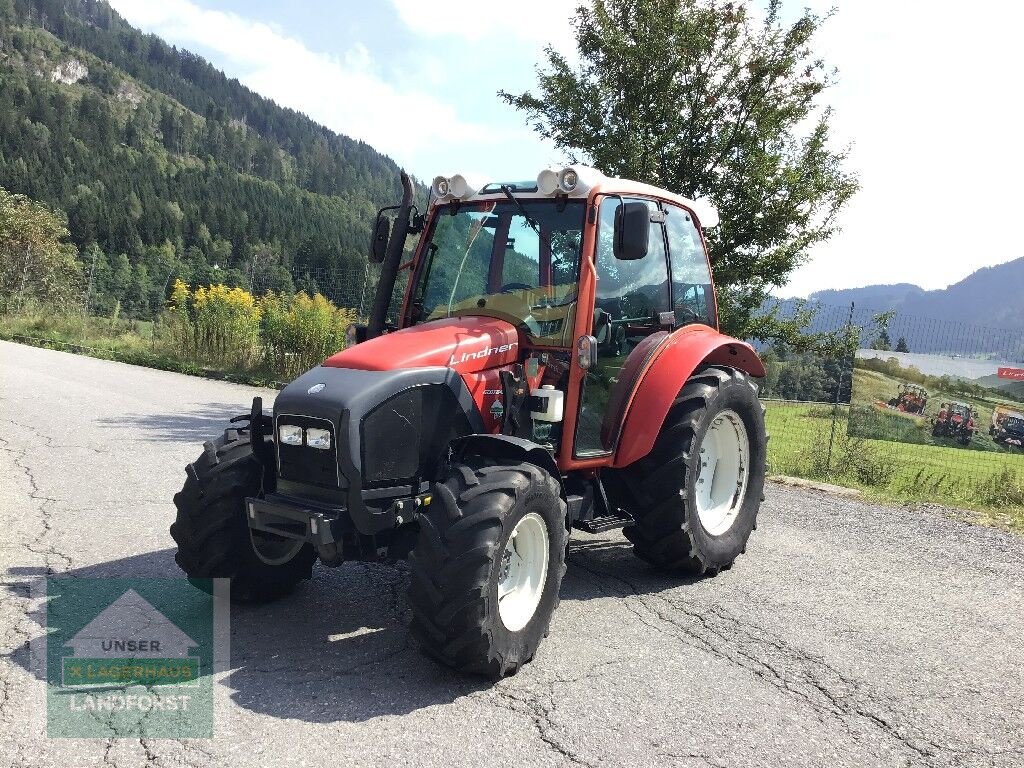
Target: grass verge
991,484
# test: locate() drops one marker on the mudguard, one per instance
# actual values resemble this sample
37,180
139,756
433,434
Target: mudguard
507,447
664,375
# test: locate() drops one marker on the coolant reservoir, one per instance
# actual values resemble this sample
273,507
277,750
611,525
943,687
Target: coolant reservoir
553,400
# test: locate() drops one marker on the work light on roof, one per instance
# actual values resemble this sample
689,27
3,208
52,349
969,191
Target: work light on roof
441,186
463,186
568,179
547,181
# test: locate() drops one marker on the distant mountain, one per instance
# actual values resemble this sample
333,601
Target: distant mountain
875,296
992,297
982,315
164,164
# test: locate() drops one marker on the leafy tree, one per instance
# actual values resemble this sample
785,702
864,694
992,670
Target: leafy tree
36,262
706,99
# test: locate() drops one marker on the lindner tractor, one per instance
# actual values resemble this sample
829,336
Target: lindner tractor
555,364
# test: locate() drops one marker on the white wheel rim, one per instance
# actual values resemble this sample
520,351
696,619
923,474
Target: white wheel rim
522,572
722,473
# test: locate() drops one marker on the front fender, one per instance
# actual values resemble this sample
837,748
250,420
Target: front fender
682,353
509,448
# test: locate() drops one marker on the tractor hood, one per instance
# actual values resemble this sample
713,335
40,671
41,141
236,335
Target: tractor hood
467,344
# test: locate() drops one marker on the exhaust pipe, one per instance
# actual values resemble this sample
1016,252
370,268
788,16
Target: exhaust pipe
392,260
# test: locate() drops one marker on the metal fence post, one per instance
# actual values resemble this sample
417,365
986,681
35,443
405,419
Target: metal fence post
839,391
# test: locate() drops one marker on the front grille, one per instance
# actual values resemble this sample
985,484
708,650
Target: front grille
303,464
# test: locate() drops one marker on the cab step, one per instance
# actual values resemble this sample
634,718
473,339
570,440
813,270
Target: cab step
602,524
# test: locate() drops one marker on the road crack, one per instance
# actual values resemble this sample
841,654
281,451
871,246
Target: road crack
791,670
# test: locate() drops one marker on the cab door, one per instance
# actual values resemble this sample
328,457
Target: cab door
633,300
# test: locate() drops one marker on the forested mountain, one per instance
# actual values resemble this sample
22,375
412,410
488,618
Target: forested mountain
163,164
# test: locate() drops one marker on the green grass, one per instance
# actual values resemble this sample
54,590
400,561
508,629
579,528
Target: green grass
990,483
137,342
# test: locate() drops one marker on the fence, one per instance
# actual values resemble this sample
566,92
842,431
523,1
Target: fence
938,420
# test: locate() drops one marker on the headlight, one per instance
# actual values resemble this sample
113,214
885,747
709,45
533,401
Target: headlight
289,434
318,438
569,180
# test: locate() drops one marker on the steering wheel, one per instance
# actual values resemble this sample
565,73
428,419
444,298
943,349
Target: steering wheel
509,287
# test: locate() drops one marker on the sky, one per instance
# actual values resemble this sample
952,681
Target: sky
924,100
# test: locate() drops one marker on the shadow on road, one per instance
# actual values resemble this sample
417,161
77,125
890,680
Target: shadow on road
338,648
195,426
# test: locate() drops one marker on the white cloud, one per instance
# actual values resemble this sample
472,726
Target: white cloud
535,21
346,93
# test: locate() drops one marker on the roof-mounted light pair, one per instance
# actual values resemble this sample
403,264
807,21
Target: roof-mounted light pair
574,180
458,187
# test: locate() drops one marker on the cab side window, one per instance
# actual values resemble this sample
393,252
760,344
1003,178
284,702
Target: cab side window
632,293
693,298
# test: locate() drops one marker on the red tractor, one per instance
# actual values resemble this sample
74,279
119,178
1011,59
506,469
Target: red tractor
956,421
555,364
910,398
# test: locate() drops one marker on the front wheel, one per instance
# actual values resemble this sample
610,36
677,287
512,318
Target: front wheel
213,536
488,565
694,498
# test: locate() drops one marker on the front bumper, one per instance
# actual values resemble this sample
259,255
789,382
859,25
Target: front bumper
298,519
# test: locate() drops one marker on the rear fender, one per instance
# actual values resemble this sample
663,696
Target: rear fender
507,448
686,350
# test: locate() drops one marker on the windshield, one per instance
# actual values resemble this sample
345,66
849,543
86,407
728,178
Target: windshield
513,259
1015,422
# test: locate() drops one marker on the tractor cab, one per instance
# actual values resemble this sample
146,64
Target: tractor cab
555,364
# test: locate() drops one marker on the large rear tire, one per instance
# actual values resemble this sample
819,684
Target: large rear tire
213,536
487,566
695,497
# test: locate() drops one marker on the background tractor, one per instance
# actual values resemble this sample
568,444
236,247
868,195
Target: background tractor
1007,428
555,364
910,398
955,420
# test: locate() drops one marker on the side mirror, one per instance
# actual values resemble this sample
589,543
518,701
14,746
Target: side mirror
379,243
632,231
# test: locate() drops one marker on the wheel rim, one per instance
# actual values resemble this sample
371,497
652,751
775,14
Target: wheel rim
271,549
523,572
722,473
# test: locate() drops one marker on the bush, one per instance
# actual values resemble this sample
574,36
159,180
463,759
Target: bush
230,328
300,331
851,458
1004,488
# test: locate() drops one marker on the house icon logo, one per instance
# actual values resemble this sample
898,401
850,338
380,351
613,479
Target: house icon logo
130,643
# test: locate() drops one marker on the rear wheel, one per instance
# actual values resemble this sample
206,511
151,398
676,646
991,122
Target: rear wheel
488,565
695,497
213,537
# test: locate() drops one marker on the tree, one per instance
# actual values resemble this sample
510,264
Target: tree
901,344
706,99
36,261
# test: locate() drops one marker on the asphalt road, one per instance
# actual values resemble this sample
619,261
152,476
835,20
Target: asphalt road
849,633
